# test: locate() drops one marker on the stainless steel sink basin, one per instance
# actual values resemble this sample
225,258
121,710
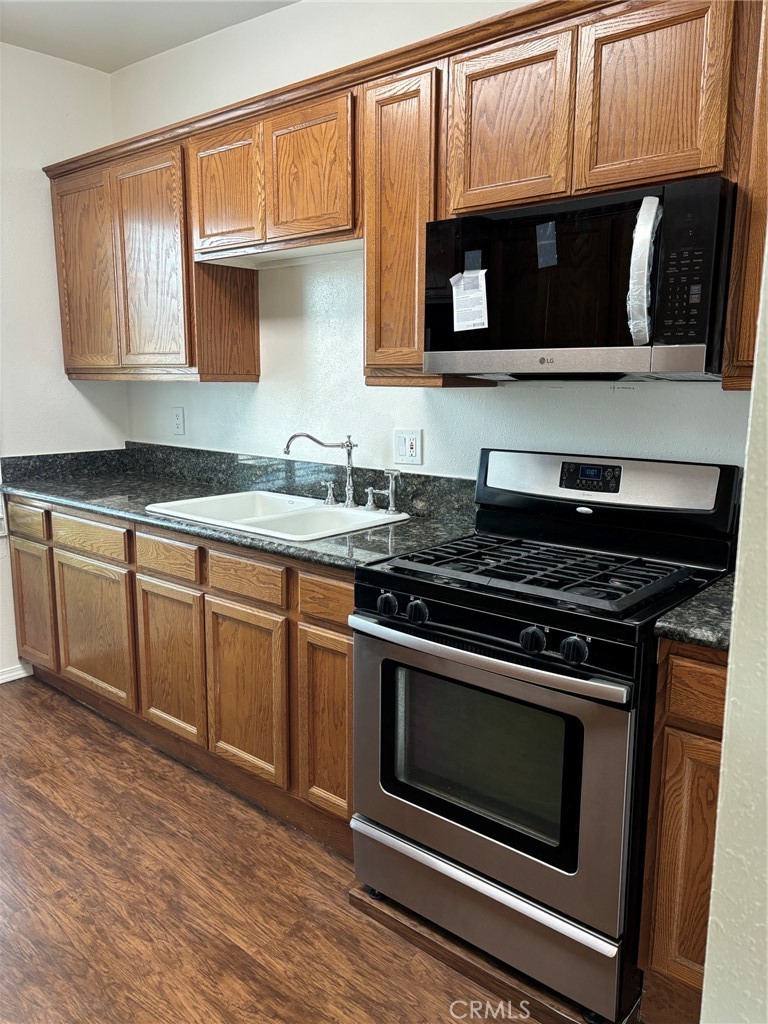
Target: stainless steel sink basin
283,516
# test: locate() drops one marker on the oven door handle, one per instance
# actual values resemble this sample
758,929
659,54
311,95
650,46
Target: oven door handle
485,888
616,693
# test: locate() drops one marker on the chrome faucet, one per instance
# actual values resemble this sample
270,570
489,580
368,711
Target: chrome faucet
347,445
390,492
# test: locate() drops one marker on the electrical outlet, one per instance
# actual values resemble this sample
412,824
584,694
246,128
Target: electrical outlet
178,420
408,447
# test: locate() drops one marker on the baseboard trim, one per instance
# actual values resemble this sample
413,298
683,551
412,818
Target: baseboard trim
20,671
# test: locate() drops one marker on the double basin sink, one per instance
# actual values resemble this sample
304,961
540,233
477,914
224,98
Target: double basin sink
281,516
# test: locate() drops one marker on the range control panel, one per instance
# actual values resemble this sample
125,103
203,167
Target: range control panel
586,476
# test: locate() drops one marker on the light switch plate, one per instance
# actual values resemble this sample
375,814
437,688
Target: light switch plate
408,445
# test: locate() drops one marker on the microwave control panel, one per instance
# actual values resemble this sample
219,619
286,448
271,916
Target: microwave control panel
585,476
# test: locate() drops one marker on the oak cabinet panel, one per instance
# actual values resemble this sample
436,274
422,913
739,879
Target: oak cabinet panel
247,688
149,228
326,599
325,719
652,93
169,557
172,657
93,538
226,187
30,521
308,170
400,152
511,123
95,618
685,855
32,574
82,221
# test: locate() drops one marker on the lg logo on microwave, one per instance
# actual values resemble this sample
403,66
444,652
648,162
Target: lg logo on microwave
544,360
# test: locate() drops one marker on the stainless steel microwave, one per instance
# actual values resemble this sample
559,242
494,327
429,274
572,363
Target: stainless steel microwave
627,284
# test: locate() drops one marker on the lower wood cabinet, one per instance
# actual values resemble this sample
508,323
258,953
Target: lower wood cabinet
32,572
248,688
96,634
681,834
325,719
172,657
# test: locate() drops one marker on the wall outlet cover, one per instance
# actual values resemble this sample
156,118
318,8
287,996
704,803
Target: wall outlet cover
178,420
408,445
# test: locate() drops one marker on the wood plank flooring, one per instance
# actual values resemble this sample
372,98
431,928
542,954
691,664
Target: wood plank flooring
135,891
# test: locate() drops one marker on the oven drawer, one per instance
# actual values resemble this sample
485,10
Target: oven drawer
579,963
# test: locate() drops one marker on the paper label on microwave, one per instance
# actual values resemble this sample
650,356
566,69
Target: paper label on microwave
546,244
470,304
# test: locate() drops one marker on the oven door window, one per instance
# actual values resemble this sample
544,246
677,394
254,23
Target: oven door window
505,769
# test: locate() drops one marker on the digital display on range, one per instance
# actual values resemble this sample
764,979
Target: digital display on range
590,472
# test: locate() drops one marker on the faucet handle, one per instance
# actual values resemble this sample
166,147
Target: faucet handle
330,497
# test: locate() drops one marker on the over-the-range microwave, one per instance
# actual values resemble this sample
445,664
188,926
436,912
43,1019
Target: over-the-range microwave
627,284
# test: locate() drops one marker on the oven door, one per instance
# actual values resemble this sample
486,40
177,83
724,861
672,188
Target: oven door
521,775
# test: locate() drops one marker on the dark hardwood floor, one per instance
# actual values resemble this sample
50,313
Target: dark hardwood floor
134,891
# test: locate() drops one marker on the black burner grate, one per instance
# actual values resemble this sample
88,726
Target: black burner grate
583,578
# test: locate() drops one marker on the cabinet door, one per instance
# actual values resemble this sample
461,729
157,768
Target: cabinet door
226,187
247,688
309,170
85,256
95,613
511,123
172,657
653,93
325,719
685,854
399,132
148,199
32,573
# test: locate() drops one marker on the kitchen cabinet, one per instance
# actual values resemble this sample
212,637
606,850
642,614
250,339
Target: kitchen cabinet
309,170
652,94
170,632
133,307
32,575
226,187
87,270
511,122
95,619
148,207
325,719
399,167
247,688
681,835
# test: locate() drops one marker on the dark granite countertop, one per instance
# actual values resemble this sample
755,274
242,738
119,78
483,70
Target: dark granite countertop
125,495
705,619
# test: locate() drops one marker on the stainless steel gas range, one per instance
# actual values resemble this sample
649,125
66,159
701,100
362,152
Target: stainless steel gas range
504,696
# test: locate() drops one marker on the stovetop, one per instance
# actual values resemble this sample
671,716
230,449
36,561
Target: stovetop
571,576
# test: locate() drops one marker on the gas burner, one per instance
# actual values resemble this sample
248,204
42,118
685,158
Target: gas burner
581,577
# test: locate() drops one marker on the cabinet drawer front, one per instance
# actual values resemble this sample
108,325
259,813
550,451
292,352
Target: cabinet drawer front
330,600
30,521
246,578
95,538
171,557
696,691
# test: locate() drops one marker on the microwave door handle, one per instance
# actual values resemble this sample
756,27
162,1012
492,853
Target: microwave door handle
640,266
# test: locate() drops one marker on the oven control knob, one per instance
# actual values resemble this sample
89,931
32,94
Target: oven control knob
417,612
387,604
533,640
574,649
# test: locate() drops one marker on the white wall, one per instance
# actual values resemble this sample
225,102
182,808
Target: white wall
51,109
736,980
311,318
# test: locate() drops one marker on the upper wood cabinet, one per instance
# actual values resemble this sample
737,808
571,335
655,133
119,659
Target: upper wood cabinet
226,187
308,170
399,164
85,255
149,229
652,96
511,122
